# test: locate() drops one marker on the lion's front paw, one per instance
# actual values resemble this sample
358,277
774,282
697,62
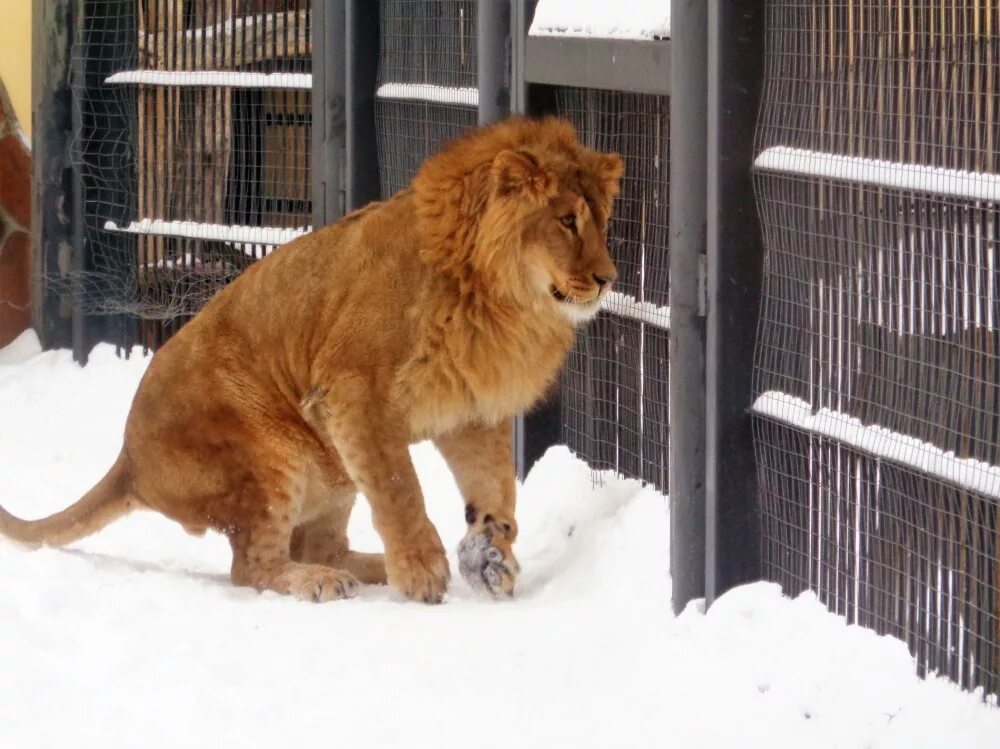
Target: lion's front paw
420,570
485,558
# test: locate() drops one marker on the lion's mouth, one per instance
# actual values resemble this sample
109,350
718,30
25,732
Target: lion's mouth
577,311
566,298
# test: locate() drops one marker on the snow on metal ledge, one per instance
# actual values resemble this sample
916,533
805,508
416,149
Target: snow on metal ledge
225,78
428,92
880,442
928,179
624,305
622,19
245,235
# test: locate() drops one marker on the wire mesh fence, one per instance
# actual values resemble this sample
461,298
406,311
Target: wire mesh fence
877,412
614,391
427,90
194,150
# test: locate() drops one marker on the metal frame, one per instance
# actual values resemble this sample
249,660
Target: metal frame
329,104
54,181
78,80
641,67
735,271
688,176
361,67
520,18
492,78
715,268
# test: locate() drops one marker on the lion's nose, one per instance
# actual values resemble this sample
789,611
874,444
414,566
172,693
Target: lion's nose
602,281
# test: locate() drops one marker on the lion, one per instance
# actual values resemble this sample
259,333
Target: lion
440,313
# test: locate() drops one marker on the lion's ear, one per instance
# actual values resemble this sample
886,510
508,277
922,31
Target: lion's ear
519,171
607,169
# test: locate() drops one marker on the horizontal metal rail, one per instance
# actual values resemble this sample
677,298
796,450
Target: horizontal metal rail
635,65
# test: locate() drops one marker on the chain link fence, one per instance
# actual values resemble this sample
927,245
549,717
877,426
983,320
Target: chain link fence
877,412
193,146
614,388
427,82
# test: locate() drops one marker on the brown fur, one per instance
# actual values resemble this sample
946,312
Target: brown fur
440,313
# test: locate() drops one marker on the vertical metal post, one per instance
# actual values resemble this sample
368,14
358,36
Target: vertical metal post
79,264
51,205
735,268
361,168
520,19
688,152
518,105
541,428
328,103
493,77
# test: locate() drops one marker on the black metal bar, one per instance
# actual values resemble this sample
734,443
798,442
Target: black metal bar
493,76
688,152
520,12
541,428
328,104
361,65
735,266
53,22
520,19
637,66
79,255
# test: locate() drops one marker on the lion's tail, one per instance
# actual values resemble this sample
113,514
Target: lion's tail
110,498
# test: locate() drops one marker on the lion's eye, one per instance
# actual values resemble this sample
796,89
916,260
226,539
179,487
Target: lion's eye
569,221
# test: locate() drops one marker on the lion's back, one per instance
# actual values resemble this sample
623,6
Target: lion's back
250,351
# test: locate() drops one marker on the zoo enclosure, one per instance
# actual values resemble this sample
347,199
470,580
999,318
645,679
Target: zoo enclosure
205,133
877,408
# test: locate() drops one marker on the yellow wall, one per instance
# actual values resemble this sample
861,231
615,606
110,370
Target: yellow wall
15,56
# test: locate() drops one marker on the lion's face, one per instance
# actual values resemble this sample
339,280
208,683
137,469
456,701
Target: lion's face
564,209
566,256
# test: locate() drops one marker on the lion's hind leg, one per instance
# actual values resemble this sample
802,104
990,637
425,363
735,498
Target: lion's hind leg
323,540
262,555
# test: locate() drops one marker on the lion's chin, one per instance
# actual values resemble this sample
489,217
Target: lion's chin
580,312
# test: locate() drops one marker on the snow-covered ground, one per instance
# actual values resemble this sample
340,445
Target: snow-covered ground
135,638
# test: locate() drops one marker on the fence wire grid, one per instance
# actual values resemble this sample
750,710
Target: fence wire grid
614,389
427,82
194,150
877,411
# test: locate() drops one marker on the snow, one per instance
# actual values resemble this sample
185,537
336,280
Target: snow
429,92
21,349
227,78
252,236
135,637
625,305
920,178
881,442
621,19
